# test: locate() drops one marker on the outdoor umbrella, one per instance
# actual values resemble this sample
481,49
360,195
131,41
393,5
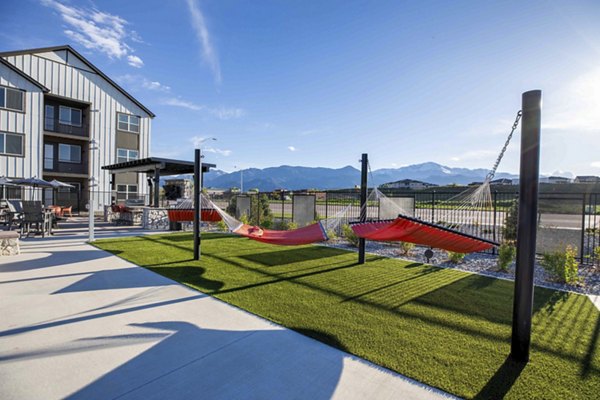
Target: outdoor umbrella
4,181
58,184
32,182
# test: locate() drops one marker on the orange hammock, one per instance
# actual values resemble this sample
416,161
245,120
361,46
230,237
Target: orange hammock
185,215
407,229
309,234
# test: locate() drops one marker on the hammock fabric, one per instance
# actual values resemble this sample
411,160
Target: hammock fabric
309,234
406,229
185,215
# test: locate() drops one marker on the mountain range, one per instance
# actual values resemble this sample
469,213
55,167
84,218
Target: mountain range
294,178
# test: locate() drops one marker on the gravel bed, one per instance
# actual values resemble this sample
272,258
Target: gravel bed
482,264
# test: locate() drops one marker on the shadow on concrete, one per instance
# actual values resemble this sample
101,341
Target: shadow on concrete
124,278
190,362
54,258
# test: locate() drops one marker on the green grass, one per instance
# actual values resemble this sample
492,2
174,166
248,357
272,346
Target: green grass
443,327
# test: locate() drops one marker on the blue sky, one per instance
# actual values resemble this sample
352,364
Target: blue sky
317,83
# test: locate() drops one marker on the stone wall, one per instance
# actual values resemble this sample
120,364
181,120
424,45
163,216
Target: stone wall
155,219
9,246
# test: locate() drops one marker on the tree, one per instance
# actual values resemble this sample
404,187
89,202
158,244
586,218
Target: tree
510,222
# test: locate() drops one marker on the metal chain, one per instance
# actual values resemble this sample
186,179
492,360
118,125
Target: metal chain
491,174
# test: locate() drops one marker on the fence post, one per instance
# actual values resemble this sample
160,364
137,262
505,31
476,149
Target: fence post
326,204
583,212
495,219
527,226
433,206
282,206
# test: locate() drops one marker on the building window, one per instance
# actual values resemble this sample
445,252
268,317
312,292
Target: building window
11,144
69,153
48,156
124,155
128,123
125,192
49,118
12,99
68,116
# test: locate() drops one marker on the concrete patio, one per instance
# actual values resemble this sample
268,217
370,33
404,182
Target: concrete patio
78,322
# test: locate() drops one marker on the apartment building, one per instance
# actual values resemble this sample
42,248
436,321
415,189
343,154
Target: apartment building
62,118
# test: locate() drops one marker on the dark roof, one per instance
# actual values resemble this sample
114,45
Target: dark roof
85,61
165,165
24,75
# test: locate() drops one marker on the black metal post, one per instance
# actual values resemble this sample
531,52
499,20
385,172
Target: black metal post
197,209
527,224
363,205
583,212
495,204
433,206
156,186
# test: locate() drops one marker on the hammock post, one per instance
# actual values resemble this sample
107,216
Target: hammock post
197,208
527,225
363,204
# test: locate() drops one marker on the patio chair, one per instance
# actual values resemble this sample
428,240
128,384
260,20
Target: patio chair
67,210
35,219
13,216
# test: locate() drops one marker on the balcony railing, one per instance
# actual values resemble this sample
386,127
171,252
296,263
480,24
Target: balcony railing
54,125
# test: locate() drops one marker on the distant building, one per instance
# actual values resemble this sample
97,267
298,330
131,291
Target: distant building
587,179
502,181
559,179
407,184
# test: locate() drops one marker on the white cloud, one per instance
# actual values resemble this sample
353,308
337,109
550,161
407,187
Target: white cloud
97,30
137,82
176,102
217,151
155,85
291,148
208,52
219,112
135,61
595,164
227,113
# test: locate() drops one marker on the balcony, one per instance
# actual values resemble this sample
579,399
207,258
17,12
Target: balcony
54,125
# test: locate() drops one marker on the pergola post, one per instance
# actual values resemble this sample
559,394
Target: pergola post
197,209
363,205
156,186
527,224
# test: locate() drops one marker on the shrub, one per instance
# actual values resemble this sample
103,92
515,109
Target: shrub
222,226
331,234
597,253
286,225
406,248
456,258
506,255
510,222
562,265
349,235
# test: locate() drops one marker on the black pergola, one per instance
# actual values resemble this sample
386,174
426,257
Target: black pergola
155,166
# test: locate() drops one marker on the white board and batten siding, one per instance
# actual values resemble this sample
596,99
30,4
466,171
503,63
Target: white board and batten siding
65,75
28,123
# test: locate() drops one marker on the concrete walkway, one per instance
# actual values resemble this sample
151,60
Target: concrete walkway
79,323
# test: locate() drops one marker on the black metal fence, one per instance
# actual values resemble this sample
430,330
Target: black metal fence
563,218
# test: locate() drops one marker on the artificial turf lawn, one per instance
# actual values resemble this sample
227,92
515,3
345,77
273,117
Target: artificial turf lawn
443,327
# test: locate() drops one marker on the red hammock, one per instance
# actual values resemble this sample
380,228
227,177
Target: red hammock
185,215
309,234
406,229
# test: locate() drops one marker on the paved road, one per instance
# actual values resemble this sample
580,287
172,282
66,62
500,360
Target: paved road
79,323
